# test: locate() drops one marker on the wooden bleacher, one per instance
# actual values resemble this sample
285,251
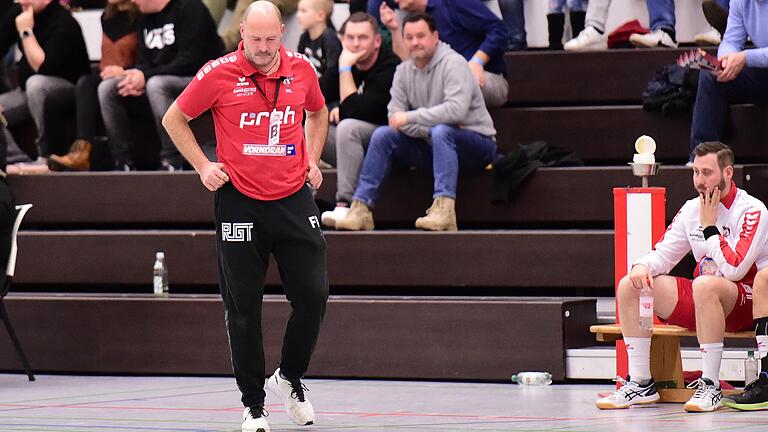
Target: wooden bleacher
394,288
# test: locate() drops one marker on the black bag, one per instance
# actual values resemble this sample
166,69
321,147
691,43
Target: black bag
510,170
672,90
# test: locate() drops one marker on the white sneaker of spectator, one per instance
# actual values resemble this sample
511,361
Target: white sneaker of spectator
297,406
654,39
254,421
588,39
708,38
329,218
707,397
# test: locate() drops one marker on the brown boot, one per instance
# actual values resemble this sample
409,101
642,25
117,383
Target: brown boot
359,218
440,217
78,158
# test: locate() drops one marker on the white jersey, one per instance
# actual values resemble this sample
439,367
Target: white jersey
738,252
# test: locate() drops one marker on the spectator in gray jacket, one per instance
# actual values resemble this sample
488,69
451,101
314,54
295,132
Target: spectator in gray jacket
437,122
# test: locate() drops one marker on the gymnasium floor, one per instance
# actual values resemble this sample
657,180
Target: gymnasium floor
99,403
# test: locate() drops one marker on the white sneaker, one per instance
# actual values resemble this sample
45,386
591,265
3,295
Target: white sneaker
588,39
329,218
297,406
251,423
654,39
707,397
630,393
708,38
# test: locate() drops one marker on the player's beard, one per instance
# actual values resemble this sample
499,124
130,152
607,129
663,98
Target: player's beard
720,185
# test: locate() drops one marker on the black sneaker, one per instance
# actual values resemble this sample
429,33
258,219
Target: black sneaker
753,398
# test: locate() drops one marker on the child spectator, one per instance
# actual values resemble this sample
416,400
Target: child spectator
319,41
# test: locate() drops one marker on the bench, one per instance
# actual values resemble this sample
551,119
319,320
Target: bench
666,363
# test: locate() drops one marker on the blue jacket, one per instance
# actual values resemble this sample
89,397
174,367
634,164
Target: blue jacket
468,25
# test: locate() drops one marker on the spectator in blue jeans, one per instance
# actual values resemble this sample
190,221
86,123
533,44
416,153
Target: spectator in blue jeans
744,74
513,15
437,121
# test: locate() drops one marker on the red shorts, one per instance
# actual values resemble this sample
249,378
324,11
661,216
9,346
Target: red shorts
684,315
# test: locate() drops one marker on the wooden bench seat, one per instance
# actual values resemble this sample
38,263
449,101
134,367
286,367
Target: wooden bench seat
666,362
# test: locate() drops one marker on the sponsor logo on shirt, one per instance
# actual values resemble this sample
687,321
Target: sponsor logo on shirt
255,119
269,150
287,83
214,64
159,38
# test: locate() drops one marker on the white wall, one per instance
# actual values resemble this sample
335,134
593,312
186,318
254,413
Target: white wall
690,21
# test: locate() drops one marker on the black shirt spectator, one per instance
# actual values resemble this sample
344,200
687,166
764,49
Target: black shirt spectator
174,42
370,102
58,34
323,53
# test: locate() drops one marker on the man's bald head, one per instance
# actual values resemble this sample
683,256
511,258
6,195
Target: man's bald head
265,9
262,31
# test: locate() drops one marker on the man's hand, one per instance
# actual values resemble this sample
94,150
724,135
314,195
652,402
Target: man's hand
212,175
133,84
25,20
398,120
348,58
732,65
640,276
333,116
477,71
388,17
112,71
314,176
708,207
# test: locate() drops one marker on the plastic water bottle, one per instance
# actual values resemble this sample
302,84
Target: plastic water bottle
160,278
646,308
532,378
751,368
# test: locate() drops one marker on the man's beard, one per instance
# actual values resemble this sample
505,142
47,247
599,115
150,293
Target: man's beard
256,60
720,186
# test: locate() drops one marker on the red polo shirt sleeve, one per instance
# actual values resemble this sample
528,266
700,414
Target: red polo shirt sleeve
203,91
315,99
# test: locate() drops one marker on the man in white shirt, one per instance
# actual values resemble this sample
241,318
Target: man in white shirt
725,230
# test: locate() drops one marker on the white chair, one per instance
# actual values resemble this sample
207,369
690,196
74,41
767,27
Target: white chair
10,269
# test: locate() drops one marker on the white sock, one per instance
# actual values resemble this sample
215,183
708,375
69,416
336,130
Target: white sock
711,355
762,346
639,358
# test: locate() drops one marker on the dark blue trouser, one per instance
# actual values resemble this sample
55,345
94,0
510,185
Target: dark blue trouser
714,98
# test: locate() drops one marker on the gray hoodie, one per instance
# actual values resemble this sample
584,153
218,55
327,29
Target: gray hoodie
444,92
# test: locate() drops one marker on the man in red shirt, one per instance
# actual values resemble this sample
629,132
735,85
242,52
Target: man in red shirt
259,95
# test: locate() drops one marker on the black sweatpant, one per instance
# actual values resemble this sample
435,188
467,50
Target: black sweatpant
248,230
